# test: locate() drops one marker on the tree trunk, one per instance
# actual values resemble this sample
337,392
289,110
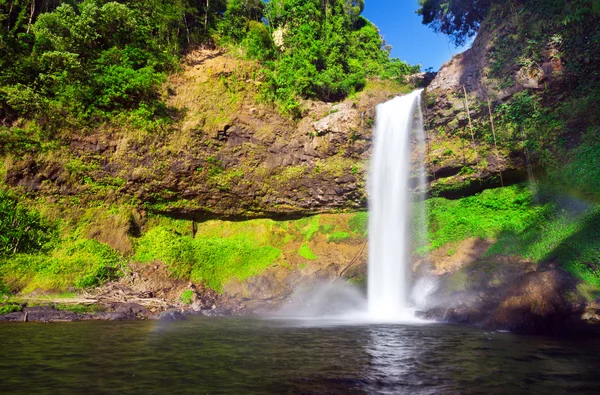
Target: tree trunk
206,17
31,13
187,30
12,3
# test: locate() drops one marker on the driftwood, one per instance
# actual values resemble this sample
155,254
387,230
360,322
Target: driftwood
109,294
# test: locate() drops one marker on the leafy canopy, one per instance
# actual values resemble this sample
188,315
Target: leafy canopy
459,19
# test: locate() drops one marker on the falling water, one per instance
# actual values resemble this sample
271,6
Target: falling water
390,204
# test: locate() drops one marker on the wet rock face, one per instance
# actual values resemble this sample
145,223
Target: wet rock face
535,304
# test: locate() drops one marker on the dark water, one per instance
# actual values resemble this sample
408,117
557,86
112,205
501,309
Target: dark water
252,356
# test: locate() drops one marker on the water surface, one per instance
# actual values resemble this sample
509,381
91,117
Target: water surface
253,356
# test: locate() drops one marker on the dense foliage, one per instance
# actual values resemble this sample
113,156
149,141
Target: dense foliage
67,63
324,50
459,19
537,225
21,229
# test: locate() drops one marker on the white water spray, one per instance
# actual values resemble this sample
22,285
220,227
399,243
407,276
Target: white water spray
390,204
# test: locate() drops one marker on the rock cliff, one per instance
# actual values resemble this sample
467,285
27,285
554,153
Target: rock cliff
227,155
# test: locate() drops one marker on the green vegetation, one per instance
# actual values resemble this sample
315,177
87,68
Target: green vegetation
187,296
72,64
306,253
570,240
219,251
210,260
9,308
79,308
78,263
484,215
21,229
539,232
308,227
459,19
338,237
582,172
359,223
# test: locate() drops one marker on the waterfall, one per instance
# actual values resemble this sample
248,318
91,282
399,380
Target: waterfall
390,202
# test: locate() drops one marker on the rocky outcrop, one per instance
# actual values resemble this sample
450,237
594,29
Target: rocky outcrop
470,148
224,156
507,293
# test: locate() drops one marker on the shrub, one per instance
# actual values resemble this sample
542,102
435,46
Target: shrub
9,308
21,229
258,42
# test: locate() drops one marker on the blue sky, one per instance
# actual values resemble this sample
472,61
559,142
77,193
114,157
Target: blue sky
411,41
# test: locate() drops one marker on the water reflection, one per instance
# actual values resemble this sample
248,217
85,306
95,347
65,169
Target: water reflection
253,356
391,358
399,361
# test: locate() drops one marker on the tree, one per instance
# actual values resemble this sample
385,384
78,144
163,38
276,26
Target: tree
459,19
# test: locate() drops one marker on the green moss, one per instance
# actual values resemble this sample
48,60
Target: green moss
484,215
308,227
218,252
359,223
306,253
358,281
570,240
79,308
76,167
450,185
582,173
537,232
327,229
78,263
338,237
337,166
210,260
